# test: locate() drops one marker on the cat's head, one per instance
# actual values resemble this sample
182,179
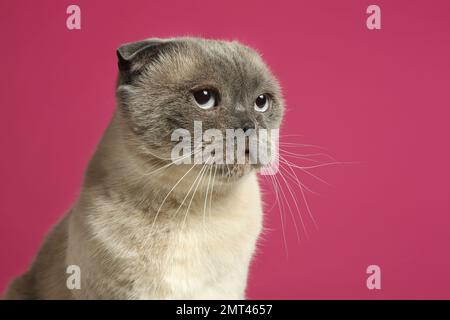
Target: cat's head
168,85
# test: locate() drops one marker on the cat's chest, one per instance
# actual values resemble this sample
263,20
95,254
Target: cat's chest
208,256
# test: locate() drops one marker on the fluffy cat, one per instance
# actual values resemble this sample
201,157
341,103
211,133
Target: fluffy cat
132,232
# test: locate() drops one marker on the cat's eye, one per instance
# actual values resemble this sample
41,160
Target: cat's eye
205,98
262,103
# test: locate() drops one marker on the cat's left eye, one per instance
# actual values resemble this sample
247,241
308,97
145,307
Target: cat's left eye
262,103
205,98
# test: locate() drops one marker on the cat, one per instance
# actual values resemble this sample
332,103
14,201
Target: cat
138,230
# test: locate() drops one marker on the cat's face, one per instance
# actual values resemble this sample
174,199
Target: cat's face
166,85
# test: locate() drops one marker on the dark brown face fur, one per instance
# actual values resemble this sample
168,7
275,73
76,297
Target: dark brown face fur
157,80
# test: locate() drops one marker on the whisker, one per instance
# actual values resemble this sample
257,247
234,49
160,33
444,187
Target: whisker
306,155
212,190
206,196
281,217
294,176
202,171
305,200
302,145
267,177
305,171
296,206
323,165
171,163
165,198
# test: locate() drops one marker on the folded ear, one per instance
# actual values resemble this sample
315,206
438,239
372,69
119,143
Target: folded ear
132,53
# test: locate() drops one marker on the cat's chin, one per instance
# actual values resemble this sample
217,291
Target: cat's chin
231,173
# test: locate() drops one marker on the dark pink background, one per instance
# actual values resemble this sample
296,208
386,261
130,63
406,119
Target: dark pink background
378,98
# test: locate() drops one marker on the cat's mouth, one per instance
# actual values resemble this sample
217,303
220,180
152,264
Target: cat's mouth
222,163
229,173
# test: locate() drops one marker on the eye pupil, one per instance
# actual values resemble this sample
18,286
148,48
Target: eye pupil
261,101
202,96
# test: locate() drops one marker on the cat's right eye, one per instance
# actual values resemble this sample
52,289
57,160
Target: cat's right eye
205,98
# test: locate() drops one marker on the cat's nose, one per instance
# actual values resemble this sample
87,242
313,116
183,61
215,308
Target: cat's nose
246,126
